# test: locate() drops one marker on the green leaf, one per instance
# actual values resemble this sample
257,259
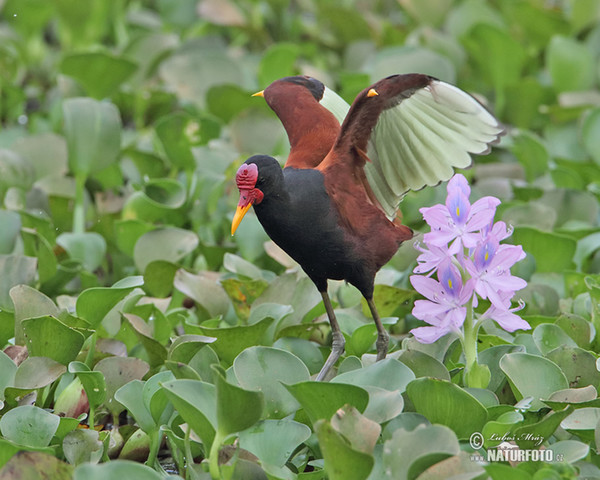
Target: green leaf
158,278
237,408
116,469
341,461
407,454
322,400
192,72
409,59
8,370
14,270
196,402
274,441
100,73
157,353
93,304
11,222
29,425
93,132
82,446
93,383
185,347
267,369
277,62
87,248
548,336
48,337
552,252
28,303
37,246
169,244
447,404
569,450
158,198
227,101
361,432
388,374
428,12
563,57
578,365
176,133
233,340
532,376
590,134
130,396
117,372
532,435
423,365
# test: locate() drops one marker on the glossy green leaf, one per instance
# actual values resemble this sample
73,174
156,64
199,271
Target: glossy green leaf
93,383
548,336
423,365
277,62
578,365
14,270
274,441
130,396
196,402
28,303
47,336
93,304
169,244
566,55
267,369
359,431
82,446
115,469
447,404
341,461
532,375
87,248
233,340
93,132
322,400
407,454
29,425
117,372
37,372
237,408
100,73
388,374
158,198
552,252
176,132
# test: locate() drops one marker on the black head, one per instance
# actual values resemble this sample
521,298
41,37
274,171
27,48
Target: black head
258,177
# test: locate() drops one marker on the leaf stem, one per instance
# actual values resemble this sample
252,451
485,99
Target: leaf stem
213,457
79,207
470,342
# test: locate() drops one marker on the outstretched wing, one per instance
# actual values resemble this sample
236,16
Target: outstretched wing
415,130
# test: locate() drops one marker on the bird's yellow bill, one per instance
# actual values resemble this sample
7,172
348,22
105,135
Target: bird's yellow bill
239,214
372,93
259,94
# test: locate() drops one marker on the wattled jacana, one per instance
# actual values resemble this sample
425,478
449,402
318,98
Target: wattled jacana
333,206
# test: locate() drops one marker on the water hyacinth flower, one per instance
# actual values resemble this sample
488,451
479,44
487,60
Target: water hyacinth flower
463,251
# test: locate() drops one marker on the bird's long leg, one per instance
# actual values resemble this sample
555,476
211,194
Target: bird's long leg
383,339
337,346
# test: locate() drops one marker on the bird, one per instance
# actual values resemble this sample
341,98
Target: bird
333,207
